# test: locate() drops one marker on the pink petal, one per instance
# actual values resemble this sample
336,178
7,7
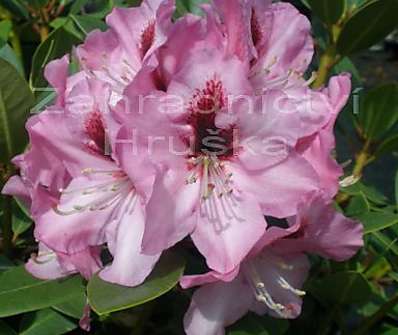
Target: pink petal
130,266
215,306
218,233
170,212
208,278
289,45
324,231
280,188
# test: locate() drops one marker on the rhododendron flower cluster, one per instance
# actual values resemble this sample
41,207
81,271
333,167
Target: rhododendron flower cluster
198,128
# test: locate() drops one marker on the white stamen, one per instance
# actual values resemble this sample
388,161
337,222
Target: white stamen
284,284
261,293
107,194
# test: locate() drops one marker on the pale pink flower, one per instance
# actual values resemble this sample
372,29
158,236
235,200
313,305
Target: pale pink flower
228,163
269,280
116,55
81,199
318,148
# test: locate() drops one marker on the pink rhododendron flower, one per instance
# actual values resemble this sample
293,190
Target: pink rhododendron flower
93,202
209,184
317,148
270,278
116,56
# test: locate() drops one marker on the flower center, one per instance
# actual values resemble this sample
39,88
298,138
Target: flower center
203,107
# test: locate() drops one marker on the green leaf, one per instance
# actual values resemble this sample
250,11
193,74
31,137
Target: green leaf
375,221
371,194
8,54
342,288
58,43
5,329
385,242
189,6
85,24
105,298
379,112
77,6
393,331
46,322
101,8
259,325
346,65
369,25
358,205
15,101
5,29
20,222
328,11
20,292
73,307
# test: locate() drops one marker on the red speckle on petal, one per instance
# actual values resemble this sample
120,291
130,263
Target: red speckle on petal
147,38
95,130
256,31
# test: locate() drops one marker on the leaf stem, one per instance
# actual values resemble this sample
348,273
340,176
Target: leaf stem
328,59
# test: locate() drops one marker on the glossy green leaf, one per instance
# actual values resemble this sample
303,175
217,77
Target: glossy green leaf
73,307
5,329
15,101
259,325
58,43
328,11
375,221
46,322
20,292
341,288
369,25
106,298
379,112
